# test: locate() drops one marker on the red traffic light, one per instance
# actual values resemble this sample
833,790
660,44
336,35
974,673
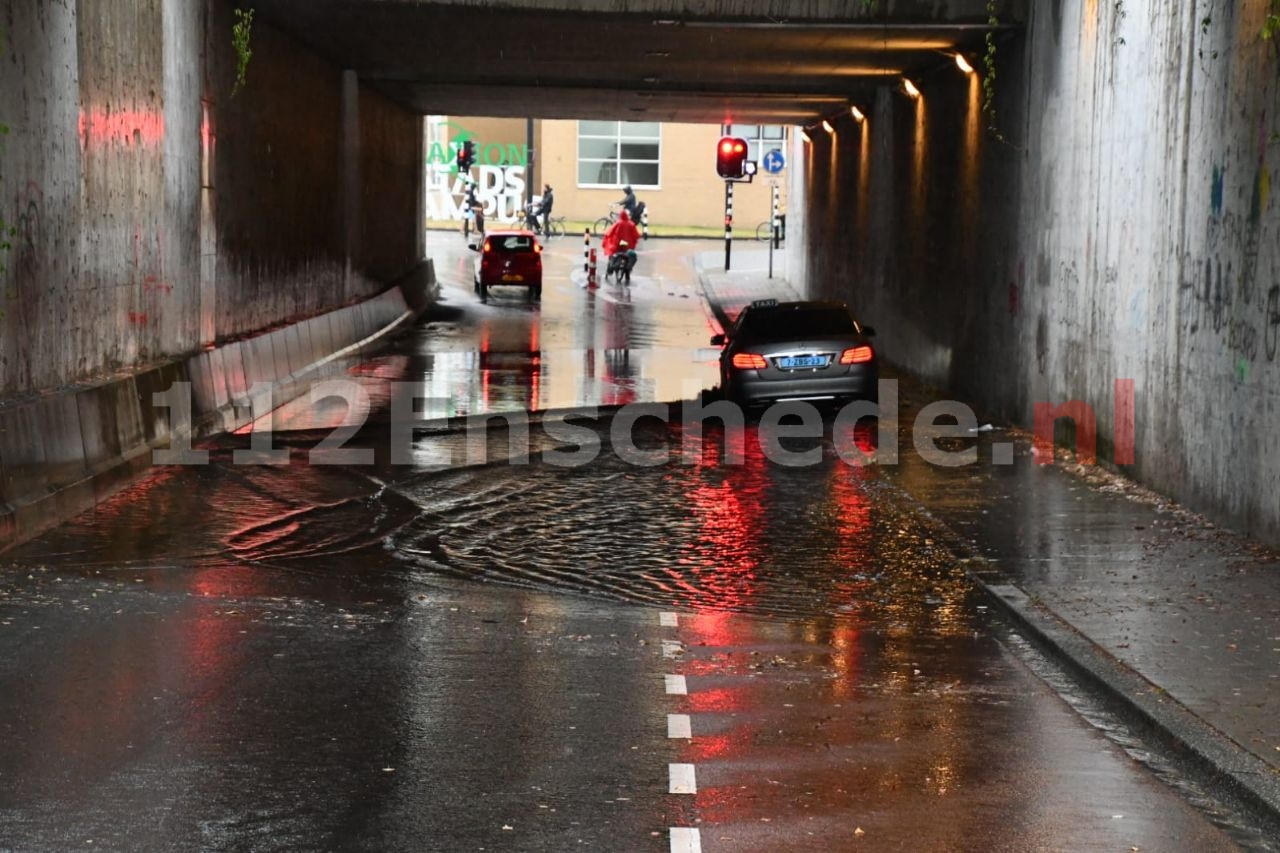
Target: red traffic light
731,157
466,156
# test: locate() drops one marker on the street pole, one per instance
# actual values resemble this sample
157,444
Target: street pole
728,222
528,172
773,236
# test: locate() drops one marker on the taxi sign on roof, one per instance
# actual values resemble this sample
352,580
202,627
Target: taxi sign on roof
765,303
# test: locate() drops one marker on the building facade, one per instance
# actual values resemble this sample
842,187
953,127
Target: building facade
671,168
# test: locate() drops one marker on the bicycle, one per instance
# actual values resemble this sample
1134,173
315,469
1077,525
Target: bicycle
533,222
764,231
602,224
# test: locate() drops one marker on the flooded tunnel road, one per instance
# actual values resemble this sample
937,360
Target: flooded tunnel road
709,653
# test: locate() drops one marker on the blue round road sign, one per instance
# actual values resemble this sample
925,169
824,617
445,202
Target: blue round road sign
774,161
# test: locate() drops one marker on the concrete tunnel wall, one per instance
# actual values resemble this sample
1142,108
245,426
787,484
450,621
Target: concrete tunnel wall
156,213
165,231
1126,229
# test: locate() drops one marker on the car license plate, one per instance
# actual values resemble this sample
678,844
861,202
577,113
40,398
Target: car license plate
797,362
510,277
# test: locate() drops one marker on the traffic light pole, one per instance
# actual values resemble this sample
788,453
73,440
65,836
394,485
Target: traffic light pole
773,234
728,222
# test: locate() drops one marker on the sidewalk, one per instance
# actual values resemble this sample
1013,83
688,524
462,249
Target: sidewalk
1171,617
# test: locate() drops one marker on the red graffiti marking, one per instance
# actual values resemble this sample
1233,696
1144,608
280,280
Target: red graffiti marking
152,284
100,127
138,318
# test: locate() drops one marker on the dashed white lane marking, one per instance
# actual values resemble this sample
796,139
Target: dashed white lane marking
682,779
685,840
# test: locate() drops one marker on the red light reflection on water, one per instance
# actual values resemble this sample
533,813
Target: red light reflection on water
704,748
718,629
725,555
845,658
852,439
720,700
851,517
535,373
211,642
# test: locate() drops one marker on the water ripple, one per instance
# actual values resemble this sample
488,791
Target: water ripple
756,537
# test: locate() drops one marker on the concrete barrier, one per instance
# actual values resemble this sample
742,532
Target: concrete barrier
62,453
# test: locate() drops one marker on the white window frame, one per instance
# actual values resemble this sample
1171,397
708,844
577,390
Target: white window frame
756,144
578,160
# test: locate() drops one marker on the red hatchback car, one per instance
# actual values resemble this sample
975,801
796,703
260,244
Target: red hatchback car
509,259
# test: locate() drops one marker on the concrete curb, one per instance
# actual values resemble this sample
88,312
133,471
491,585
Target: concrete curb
708,295
63,453
1249,779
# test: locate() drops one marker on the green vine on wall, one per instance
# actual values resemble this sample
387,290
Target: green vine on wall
240,32
989,72
1271,23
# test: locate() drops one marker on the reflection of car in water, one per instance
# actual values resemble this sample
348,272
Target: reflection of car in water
511,258
515,362
797,351
511,377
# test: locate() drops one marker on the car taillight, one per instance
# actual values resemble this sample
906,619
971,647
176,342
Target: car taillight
537,247
749,361
487,247
857,355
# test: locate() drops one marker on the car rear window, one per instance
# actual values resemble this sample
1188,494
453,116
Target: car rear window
512,243
785,324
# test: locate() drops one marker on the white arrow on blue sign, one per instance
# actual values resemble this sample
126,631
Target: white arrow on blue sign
774,162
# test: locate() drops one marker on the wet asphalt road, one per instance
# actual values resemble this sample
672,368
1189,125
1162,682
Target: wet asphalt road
532,656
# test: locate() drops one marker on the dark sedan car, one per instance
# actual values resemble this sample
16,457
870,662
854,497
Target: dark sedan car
797,351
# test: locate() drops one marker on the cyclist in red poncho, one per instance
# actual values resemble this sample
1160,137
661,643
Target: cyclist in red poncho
619,246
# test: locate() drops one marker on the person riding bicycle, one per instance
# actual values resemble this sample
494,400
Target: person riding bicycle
630,204
620,241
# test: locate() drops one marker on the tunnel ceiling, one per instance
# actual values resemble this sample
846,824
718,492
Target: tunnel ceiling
534,59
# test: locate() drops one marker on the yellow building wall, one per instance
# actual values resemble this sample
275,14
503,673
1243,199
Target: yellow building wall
691,193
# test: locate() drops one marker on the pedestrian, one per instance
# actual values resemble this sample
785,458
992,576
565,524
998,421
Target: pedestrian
544,208
475,209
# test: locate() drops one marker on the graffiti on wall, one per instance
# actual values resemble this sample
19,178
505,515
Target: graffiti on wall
27,226
501,189
1232,290
1217,299
500,182
1223,289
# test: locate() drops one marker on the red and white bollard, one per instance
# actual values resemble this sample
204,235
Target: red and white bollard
586,250
591,269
